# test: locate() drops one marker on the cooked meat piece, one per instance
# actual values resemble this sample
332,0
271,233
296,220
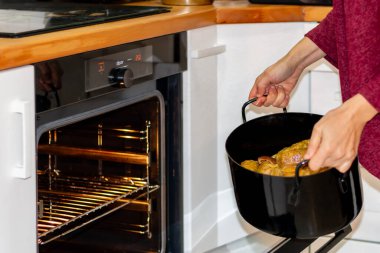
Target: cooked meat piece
291,156
283,163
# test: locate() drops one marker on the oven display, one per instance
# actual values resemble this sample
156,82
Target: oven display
118,69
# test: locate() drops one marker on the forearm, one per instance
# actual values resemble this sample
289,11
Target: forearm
304,53
360,109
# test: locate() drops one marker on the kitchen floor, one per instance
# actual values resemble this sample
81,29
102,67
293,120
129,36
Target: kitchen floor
258,242
261,242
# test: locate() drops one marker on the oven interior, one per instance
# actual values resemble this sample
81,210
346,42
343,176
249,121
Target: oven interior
100,183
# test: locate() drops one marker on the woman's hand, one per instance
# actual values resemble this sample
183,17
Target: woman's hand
335,138
274,85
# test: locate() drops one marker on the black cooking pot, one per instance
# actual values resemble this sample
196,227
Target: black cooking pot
296,207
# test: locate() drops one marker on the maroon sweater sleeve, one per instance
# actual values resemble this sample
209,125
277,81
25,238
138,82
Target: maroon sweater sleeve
371,91
323,36
364,49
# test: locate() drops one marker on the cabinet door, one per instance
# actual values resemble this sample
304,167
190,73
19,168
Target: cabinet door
200,127
17,156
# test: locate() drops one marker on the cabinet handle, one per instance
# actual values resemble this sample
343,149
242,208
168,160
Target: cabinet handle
23,168
206,52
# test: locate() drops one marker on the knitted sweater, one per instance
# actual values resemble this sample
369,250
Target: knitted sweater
350,37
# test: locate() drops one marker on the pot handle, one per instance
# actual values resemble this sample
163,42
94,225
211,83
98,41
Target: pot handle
250,102
299,166
294,195
342,179
245,105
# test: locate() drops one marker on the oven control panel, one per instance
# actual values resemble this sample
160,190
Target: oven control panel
118,69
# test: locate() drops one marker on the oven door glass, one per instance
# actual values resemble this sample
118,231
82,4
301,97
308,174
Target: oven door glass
100,182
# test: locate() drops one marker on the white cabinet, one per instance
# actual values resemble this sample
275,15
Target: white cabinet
200,144
223,62
17,156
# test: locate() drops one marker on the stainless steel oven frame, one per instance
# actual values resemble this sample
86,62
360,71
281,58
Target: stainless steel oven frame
163,83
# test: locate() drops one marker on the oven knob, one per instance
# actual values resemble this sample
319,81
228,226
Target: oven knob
122,77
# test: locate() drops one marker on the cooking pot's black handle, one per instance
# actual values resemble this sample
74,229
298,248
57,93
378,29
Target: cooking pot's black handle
245,105
342,179
299,166
294,194
250,102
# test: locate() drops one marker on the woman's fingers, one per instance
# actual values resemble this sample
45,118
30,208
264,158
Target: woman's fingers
253,92
344,166
275,95
335,138
281,96
313,147
260,90
260,101
275,85
260,87
271,96
285,102
322,160
325,151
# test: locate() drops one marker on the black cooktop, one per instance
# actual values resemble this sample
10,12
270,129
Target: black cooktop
30,19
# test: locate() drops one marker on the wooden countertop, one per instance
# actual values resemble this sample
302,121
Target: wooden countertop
27,50
255,13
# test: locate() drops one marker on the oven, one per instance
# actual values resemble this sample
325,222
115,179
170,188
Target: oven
109,151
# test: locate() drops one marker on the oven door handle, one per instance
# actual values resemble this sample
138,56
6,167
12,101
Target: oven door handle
24,113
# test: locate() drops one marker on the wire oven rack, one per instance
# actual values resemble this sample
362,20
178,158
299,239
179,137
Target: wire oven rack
67,203
75,202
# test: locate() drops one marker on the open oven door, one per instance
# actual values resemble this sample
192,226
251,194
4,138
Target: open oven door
17,156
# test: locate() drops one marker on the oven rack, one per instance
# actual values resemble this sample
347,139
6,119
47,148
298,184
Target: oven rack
95,153
71,203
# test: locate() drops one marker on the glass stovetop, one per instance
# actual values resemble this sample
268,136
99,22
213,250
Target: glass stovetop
28,19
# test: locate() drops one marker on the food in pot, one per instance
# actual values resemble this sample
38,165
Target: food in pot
283,163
